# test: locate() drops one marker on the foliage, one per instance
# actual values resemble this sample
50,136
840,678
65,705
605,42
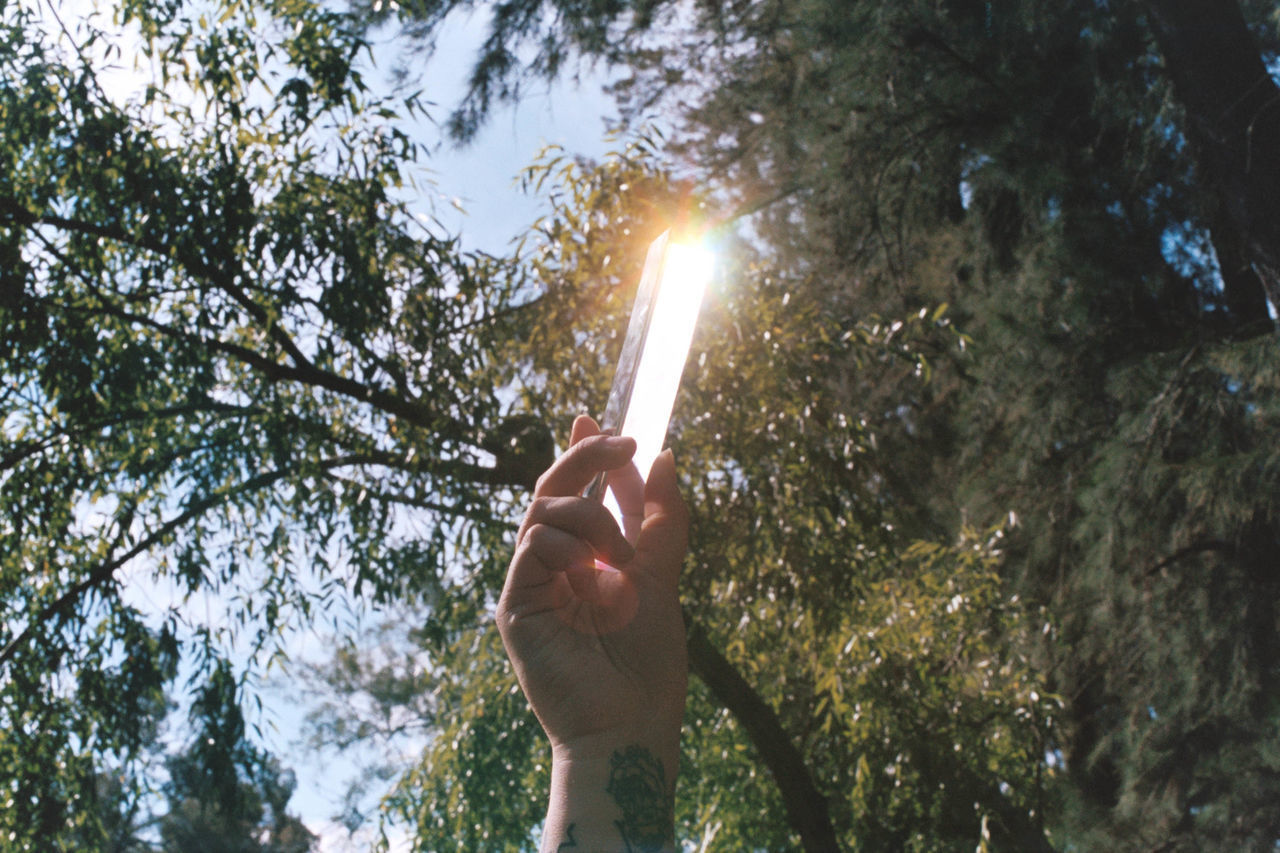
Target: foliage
977,272
249,816
231,359
217,792
797,572
1031,169
1037,171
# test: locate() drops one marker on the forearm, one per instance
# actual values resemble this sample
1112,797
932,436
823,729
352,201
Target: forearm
621,801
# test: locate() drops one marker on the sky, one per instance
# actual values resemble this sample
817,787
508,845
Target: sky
474,197
480,177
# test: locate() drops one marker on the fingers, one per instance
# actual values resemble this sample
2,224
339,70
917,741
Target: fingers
544,552
628,489
563,533
589,455
583,426
561,540
664,535
584,519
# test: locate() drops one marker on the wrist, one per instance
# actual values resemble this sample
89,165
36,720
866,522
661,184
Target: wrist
618,799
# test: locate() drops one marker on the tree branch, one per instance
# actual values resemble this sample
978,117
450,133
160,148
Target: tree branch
103,572
806,806
301,370
416,502
275,371
1190,551
24,450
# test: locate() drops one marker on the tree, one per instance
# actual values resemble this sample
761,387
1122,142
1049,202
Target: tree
234,363
829,622
1225,67
250,817
1089,189
217,793
231,356
982,446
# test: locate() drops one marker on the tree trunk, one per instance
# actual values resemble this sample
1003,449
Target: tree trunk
806,807
1233,112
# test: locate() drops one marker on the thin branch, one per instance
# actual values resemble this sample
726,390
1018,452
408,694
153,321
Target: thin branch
758,202
103,572
27,449
275,371
302,370
415,502
258,313
492,316
1190,551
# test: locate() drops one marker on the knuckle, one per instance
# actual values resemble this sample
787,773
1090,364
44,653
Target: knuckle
536,532
505,617
590,446
538,508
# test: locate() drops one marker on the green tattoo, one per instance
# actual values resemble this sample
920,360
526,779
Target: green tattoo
638,785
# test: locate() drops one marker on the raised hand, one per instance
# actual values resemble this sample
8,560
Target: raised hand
592,625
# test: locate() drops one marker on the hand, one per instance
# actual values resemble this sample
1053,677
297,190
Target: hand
600,653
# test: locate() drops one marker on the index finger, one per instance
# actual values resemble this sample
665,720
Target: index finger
576,467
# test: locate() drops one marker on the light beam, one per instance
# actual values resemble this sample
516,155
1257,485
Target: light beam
659,334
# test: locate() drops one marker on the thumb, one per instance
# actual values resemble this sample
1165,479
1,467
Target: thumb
664,534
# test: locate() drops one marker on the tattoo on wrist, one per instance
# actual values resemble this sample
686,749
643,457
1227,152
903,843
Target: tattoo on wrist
638,784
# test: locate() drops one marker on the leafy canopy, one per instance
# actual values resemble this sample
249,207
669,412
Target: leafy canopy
233,360
978,430
1070,183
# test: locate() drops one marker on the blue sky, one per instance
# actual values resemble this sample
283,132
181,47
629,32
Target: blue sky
481,175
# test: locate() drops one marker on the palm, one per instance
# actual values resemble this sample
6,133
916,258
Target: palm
595,679
598,652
